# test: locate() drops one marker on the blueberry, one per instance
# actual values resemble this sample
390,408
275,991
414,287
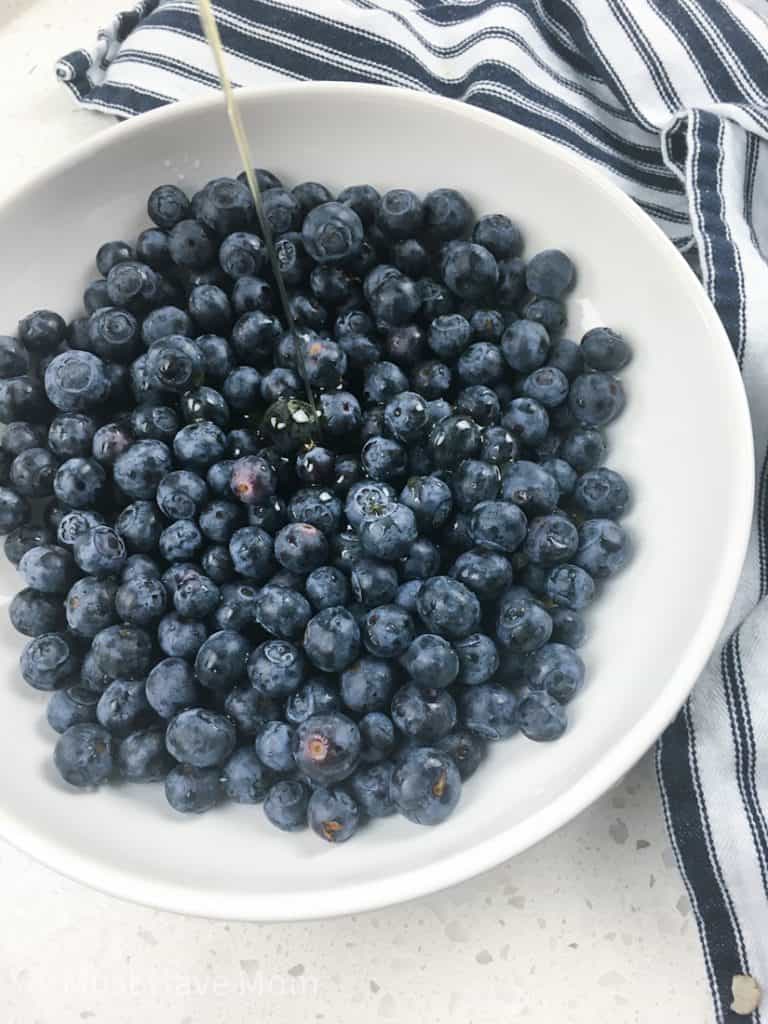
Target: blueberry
549,313
226,205
601,492
14,360
167,205
216,563
33,613
426,786
142,757
286,803
327,747
139,470
244,778
541,717
72,524
71,435
527,420
152,247
282,611
274,746
370,787
563,472
431,662
249,710
596,398
387,631
603,548
552,538
395,301
22,538
79,483
399,214
565,355
604,349
332,639
219,520
192,790
567,627
436,299
42,331
76,381
165,320
48,569
237,608
333,815
251,551
300,547
73,706
448,608
407,594
290,424
367,685
140,526
20,436
198,445
383,458
180,638
432,379
466,750
91,606
489,711
499,235
525,346
529,487
390,535
313,698
147,422
22,398
32,473
253,480
498,526
557,669
474,482
406,416
242,387
220,662
479,403
276,668
181,541
84,755
469,270
49,661
522,623
478,659
447,214
429,498
453,439
332,232
196,597
421,561
264,179
200,738
100,551
550,274
137,566
123,706
449,336
171,687
486,573
584,448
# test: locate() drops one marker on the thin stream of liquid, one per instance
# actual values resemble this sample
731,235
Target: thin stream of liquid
211,29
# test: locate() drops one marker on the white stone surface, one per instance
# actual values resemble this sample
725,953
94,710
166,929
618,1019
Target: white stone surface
592,924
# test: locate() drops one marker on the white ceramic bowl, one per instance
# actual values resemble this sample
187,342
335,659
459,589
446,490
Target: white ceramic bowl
684,443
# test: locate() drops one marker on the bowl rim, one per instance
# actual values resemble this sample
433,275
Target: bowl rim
612,764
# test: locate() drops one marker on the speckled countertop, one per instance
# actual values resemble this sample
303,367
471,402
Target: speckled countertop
592,924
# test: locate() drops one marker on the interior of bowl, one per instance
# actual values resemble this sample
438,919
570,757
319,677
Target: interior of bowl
684,444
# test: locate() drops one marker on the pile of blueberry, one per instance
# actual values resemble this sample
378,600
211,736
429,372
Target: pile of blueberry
316,568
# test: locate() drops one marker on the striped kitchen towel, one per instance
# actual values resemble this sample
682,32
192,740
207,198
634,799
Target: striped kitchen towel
670,98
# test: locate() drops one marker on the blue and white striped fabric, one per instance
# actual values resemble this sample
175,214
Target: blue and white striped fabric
670,98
